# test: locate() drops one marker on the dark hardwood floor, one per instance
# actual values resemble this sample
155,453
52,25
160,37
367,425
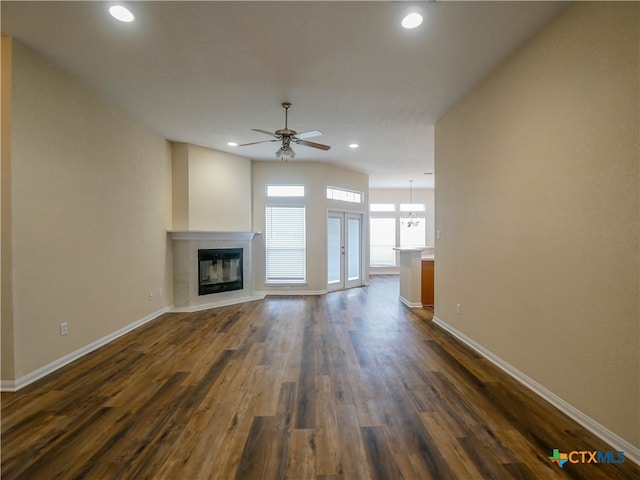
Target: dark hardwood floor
349,385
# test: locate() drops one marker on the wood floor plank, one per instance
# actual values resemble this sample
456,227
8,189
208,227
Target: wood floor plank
254,462
524,449
461,465
281,453
305,411
303,455
352,454
382,464
348,385
326,432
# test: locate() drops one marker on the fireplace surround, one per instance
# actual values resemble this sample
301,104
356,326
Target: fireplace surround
198,286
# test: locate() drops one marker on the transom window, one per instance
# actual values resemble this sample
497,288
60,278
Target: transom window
285,190
382,207
412,207
335,193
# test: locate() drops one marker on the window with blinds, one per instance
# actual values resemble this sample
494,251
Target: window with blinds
285,244
413,236
383,239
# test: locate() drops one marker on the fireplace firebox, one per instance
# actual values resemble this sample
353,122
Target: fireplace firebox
219,270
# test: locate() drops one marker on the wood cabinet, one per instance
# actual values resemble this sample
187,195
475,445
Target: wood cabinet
428,274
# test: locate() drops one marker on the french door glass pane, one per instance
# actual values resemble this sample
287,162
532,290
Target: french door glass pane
353,230
334,244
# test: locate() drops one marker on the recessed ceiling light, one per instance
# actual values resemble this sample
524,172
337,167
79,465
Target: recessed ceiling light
121,13
232,144
412,20
353,145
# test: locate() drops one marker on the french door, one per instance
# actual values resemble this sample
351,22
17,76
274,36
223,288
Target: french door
344,250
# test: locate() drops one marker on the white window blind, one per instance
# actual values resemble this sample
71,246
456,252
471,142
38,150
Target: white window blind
285,244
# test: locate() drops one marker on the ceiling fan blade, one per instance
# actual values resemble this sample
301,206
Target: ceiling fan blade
309,134
312,144
254,143
265,132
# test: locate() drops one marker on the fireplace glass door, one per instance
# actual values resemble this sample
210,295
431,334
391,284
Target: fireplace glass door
219,270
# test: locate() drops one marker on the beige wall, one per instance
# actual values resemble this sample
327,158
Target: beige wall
90,210
211,190
7,366
315,176
537,201
180,186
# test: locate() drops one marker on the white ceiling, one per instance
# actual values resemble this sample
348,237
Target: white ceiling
207,72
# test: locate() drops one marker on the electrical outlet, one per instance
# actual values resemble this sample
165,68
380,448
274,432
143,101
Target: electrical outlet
161,293
150,296
64,329
458,309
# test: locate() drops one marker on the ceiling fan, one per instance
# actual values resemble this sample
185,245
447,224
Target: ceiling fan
286,136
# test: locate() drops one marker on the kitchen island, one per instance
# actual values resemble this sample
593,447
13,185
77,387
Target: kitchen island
416,277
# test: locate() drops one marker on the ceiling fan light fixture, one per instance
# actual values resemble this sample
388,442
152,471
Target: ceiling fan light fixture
285,153
286,136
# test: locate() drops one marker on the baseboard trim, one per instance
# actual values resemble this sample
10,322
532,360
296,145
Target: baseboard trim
619,444
384,271
409,304
291,292
7,386
15,385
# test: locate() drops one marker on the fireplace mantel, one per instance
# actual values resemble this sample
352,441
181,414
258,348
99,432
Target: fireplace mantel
186,244
210,235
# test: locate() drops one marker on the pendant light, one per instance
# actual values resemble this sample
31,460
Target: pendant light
412,221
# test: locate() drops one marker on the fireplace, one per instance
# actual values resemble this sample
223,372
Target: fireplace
219,270
191,289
